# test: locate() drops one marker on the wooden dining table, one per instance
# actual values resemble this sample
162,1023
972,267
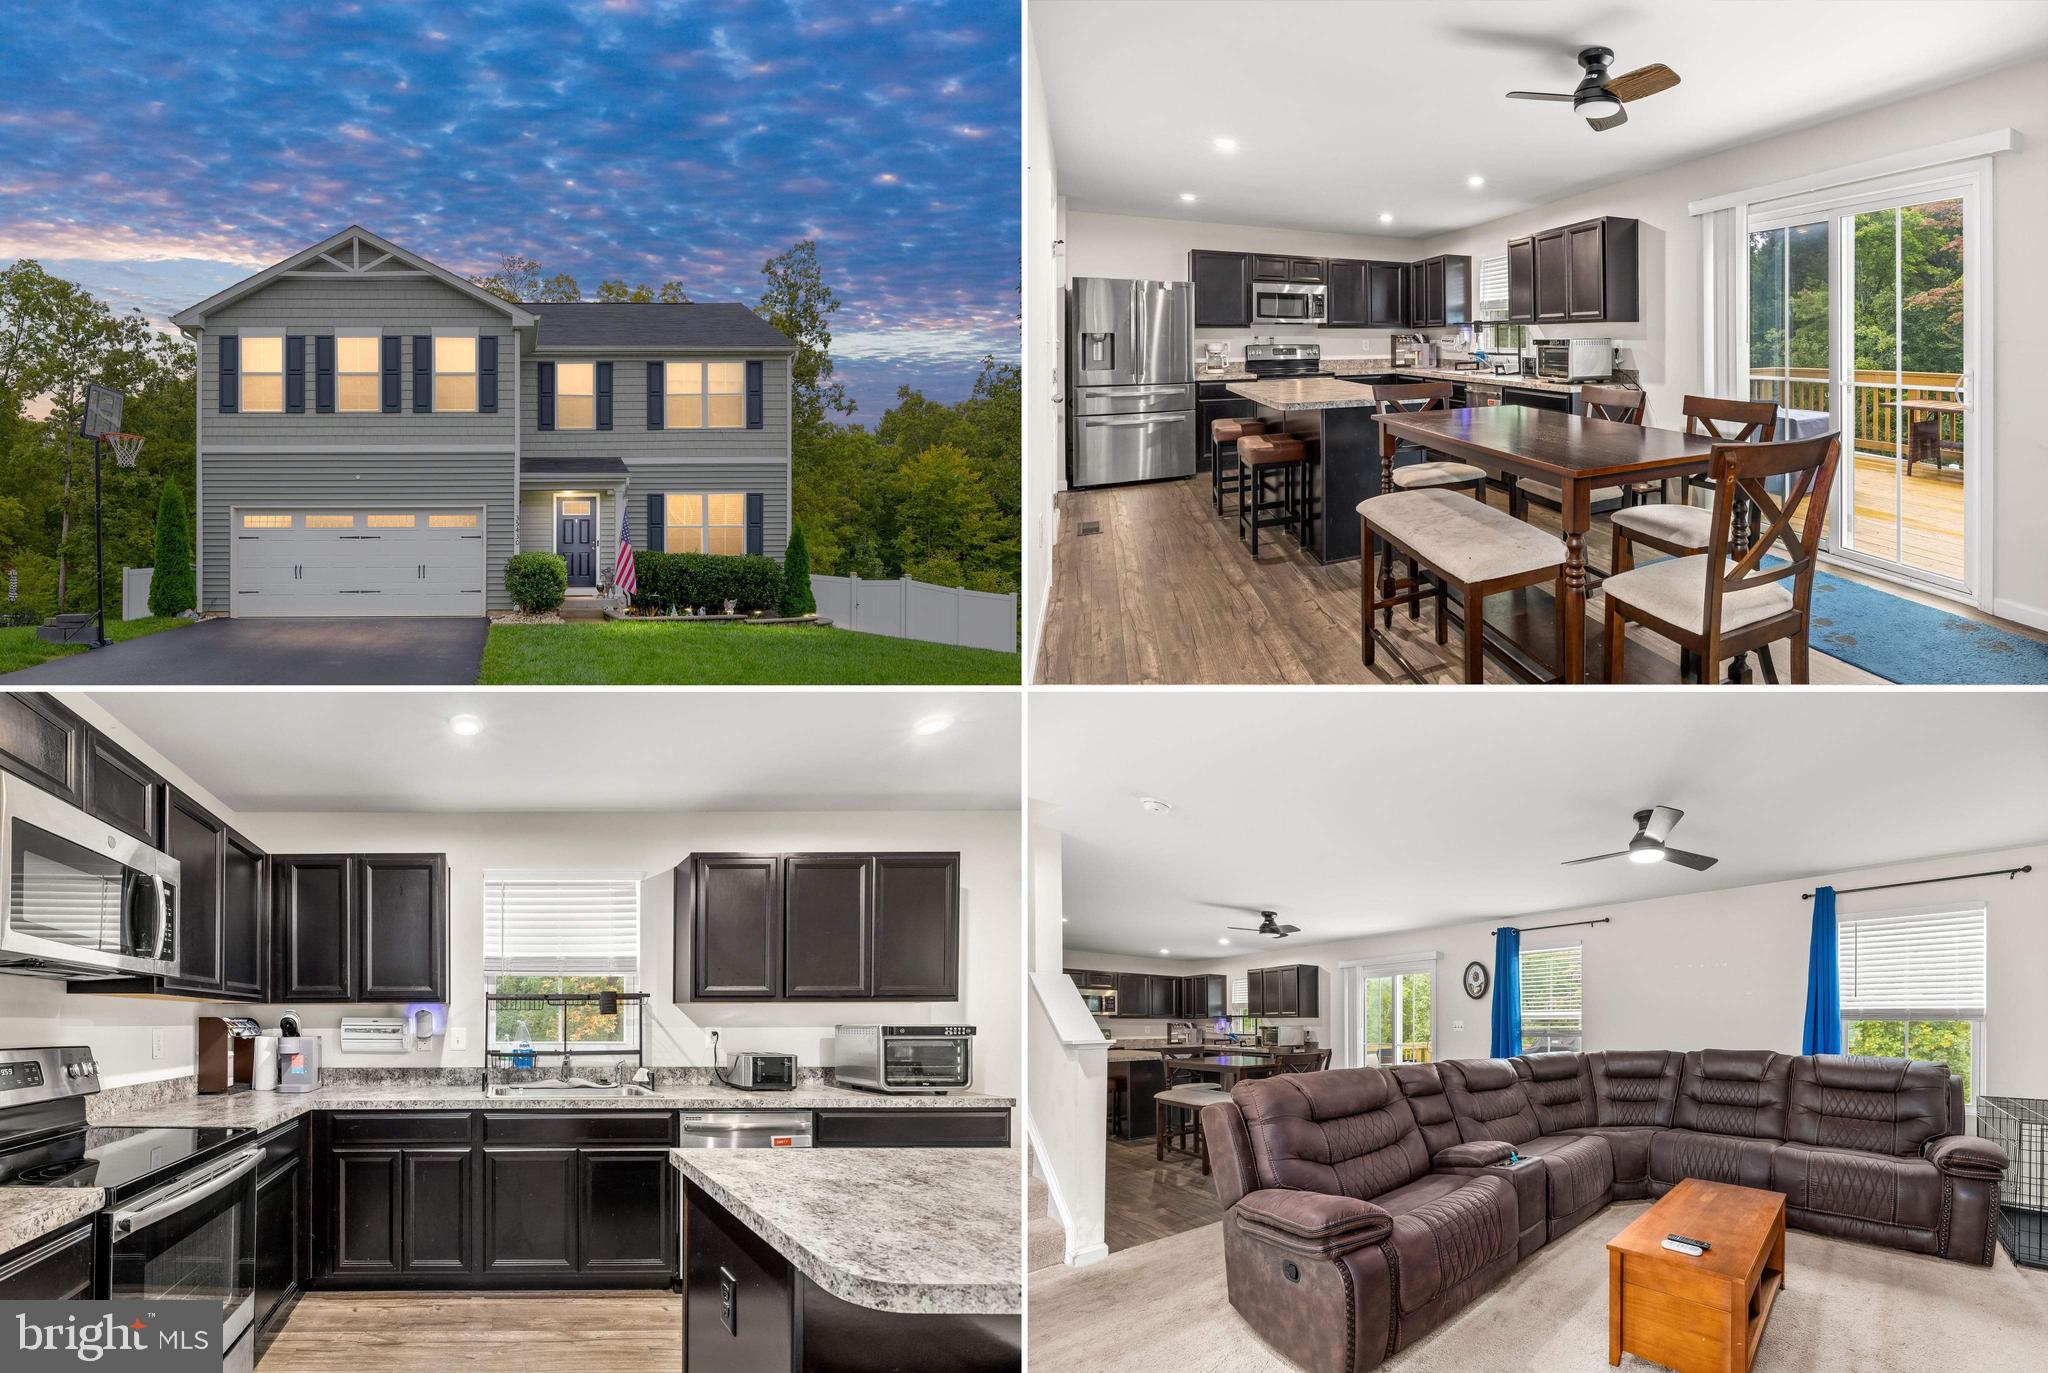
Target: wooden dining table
1575,454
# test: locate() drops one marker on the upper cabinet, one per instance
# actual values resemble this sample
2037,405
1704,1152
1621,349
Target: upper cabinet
1522,281
43,741
361,927
1367,295
818,926
1272,267
1292,991
121,791
1584,273
1553,301
245,919
199,842
1223,289
1440,292
1344,306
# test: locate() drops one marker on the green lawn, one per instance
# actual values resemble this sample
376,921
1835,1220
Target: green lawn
612,653
20,648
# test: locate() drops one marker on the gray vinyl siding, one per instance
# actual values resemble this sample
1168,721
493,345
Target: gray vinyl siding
353,482
771,480
537,523
630,439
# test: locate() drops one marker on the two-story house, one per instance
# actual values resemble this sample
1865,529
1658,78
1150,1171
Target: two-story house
377,435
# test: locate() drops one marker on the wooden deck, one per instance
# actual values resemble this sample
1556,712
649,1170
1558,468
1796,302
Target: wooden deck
1933,517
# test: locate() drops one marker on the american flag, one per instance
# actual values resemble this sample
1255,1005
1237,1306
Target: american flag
622,570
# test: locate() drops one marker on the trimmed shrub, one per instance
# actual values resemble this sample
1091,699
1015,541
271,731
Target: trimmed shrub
537,581
668,582
171,587
796,576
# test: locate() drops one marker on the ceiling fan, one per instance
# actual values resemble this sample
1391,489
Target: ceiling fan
1602,99
1269,923
1653,827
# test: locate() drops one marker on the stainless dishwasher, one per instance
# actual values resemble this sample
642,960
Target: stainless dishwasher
746,1130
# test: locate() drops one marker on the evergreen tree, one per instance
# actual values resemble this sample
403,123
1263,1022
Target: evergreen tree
796,576
171,590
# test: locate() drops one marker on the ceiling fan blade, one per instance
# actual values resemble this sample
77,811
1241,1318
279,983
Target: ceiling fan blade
1698,862
1642,82
1662,818
1248,929
1620,116
1537,95
1596,858
1290,929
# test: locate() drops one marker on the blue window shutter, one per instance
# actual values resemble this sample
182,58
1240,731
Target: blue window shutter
295,374
604,395
323,373
487,374
544,395
423,374
754,522
657,526
657,395
230,374
753,395
390,345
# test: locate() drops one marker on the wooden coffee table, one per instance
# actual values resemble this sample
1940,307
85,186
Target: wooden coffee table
1705,1314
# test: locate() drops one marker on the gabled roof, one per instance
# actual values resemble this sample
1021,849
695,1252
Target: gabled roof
653,325
342,255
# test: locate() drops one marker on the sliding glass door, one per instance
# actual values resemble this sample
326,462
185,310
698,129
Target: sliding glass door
1396,1020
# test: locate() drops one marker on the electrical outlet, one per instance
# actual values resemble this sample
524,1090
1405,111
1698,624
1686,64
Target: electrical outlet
1457,1026
458,1038
156,1043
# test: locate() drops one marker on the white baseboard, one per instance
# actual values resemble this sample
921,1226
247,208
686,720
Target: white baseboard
2032,616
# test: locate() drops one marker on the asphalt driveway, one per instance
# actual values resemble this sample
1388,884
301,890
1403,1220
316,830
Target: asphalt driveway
280,652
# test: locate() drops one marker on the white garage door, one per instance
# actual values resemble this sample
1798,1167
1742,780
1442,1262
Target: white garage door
358,562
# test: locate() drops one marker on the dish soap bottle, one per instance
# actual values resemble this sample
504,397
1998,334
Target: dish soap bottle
522,1049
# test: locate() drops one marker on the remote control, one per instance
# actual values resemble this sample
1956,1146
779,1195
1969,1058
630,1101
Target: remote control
1688,1239
1690,1250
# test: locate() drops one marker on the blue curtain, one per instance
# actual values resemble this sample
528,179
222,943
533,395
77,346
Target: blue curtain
1823,980
1507,993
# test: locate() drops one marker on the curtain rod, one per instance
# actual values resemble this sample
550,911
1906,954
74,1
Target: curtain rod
1531,929
2007,873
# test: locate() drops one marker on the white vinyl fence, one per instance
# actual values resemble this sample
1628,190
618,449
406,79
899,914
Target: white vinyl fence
909,609
135,592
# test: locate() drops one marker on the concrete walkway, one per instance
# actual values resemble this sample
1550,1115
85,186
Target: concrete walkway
280,652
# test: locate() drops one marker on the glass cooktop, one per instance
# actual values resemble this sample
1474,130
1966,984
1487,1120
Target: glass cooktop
121,1158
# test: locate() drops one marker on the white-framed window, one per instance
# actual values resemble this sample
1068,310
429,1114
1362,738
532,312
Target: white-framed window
358,359
1912,985
1240,993
262,373
575,395
1390,1011
454,371
705,395
714,522
569,932
1553,1000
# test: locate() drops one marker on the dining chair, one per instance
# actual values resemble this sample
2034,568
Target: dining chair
1679,528
1415,398
1306,1061
1728,603
1171,1132
1621,404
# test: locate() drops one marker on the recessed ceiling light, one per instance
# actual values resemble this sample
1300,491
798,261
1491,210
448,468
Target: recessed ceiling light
933,724
466,725
1475,181
1154,805
1223,941
1386,219
1226,145
1164,952
1187,196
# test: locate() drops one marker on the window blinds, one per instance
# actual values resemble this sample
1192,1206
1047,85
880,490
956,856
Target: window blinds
561,926
1551,989
1493,281
1926,964
1240,993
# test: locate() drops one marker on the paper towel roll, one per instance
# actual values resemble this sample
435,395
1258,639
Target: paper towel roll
263,1073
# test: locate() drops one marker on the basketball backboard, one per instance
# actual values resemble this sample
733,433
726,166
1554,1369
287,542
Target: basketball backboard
102,413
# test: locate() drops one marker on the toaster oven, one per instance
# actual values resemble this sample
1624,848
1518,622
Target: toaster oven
904,1058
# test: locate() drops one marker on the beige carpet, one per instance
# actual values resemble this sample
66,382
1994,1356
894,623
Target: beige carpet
1845,1306
1046,1238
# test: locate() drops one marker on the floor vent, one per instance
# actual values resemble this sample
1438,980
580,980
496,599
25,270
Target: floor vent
1091,526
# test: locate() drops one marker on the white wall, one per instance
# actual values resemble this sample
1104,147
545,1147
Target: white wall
1069,1080
1044,445
1722,969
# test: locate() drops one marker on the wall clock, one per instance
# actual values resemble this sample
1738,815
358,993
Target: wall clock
1475,980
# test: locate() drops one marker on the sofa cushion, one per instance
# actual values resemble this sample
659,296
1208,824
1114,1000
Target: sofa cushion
1733,1092
1628,1148
1348,1132
1313,1224
1580,1169
1633,1087
1487,1099
1445,1230
1860,1185
1878,1105
1559,1088
1425,1092
1679,1154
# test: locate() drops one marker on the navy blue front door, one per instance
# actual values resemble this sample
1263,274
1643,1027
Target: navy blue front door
576,539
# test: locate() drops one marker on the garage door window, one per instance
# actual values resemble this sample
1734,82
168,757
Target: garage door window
263,374
576,395
715,523
266,522
330,522
451,521
355,373
454,372
393,521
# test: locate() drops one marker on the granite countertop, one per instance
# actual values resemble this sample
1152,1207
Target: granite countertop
1304,393
932,1231
262,1110
1131,1055
29,1213
1352,367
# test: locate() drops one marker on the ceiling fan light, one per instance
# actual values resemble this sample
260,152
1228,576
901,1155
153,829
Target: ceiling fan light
1599,105
1646,854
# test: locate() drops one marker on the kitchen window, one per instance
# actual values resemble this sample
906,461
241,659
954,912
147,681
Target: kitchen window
454,372
1553,1000
1240,993
706,395
356,373
547,933
262,374
1912,985
575,395
715,523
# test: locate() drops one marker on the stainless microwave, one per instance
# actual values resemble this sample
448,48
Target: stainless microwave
904,1058
80,899
1099,1000
1286,302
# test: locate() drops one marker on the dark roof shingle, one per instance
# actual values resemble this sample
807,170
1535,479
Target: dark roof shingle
624,324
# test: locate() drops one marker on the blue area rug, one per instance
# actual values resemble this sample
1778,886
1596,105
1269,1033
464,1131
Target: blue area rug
1902,640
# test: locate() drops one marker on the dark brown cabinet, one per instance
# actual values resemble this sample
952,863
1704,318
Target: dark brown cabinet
1204,996
436,1212
1223,289
1553,277
529,1211
1386,295
282,1232
401,927
1290,991
625,1212
1522,281
1307,270
886,1128
199,842
313,895
1269,268
1161,995
766,927
41,740
1602,270
1344,305
244,919
121,791
366,1228
50,1269
1440,291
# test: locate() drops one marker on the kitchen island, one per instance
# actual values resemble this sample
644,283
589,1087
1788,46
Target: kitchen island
851,1259
1338,419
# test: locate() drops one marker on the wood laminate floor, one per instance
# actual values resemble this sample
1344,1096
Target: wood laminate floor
1145,1200
504,1332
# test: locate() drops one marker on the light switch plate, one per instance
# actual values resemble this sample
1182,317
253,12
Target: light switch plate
156,1043
458,1038
1457,1025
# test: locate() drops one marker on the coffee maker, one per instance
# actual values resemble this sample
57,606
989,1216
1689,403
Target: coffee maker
227,1053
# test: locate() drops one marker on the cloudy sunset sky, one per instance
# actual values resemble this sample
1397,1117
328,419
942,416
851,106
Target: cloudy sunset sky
158,152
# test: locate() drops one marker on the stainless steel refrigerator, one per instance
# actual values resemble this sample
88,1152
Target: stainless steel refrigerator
1130,381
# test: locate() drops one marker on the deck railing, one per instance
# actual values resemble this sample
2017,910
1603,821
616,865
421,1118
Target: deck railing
1873,417
1414,1051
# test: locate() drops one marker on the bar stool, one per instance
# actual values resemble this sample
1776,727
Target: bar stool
1190,1100
1221,433
1280,457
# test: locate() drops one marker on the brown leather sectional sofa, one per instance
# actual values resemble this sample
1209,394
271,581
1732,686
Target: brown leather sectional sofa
1365,1206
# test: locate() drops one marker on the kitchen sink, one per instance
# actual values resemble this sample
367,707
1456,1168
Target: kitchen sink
565,1089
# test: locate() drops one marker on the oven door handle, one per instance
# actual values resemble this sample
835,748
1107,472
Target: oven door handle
165,1204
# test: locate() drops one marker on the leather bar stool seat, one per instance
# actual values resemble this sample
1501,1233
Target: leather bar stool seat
1418,476
1225,433
1262,458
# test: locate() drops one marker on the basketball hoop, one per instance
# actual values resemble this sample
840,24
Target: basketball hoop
125,446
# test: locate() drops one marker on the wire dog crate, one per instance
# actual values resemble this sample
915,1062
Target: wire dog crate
2019,1125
